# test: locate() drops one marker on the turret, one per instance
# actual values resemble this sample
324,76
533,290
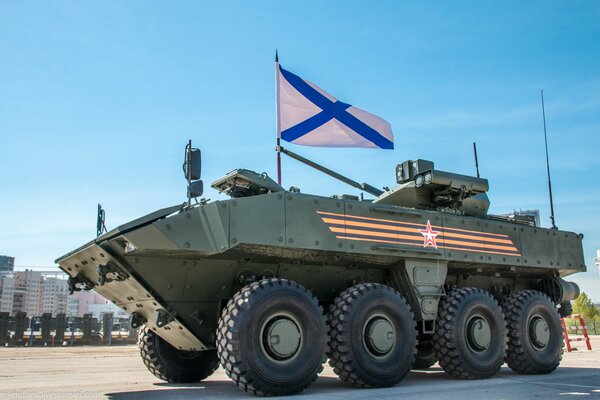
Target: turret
422,186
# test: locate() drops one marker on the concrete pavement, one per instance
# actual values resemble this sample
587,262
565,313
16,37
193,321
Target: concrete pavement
118,373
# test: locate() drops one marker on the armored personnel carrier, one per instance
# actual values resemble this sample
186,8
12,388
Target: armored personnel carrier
271,283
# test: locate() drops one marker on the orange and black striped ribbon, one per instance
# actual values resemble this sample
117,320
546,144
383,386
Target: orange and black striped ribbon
406,233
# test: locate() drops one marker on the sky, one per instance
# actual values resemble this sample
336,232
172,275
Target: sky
98,99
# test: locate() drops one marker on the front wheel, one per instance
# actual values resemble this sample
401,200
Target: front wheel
172,365
272,338
425,357
566,309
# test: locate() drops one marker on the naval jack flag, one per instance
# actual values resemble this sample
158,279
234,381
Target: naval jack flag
309,116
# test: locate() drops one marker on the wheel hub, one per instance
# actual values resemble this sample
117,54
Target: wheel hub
379,335
281,337
539,332
479,333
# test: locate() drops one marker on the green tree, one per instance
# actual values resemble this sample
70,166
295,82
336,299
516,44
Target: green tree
584,306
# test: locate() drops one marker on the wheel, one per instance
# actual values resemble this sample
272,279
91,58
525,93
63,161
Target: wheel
372,336
272,338
425,357
173,365
535,337
566,309
470,338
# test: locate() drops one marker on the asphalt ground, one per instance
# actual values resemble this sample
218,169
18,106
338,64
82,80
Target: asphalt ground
118,373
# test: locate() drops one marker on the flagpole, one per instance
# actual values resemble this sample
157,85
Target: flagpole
277,119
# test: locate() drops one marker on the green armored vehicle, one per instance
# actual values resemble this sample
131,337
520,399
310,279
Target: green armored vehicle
272,282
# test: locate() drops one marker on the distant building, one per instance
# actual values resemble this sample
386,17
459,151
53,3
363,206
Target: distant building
81,302
28,292
33,292
55,295
7,293
7,264
36,292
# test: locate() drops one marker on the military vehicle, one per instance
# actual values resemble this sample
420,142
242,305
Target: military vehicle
271,282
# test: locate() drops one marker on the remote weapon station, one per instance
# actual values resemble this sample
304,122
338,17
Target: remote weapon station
272,282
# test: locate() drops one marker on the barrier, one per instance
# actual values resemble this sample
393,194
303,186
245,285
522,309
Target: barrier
585,337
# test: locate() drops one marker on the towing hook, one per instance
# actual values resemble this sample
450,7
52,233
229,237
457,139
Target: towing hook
110,272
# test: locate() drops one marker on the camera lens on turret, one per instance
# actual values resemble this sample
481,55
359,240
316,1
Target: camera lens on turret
419,180
428,178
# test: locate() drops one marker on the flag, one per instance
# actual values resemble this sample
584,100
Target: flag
309,116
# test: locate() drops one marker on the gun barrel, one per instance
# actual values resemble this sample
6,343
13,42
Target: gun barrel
361,186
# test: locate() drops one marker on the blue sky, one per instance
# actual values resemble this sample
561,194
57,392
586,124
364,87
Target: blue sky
97,100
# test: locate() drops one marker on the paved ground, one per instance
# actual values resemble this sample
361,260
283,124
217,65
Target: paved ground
118,373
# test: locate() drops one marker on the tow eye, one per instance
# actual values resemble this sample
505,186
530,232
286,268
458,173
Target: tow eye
137,320
163,318
110,272
78,283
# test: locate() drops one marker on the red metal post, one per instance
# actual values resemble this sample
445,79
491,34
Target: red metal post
585,333
566,335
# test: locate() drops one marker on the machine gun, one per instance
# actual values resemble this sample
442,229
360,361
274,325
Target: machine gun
422,186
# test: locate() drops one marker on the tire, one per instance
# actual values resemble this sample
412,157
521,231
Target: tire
566,309
425,357
371,360
172,365
528,353
470,338
250,345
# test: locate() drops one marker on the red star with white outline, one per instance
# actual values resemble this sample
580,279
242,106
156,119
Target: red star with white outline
429,236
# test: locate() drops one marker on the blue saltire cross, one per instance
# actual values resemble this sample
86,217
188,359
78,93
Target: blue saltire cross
330,110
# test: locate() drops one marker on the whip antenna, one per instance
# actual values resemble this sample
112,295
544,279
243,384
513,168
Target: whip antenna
548,165
476,161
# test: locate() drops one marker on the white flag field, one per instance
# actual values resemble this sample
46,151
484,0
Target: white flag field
309,116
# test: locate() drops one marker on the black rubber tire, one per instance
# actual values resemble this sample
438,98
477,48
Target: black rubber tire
522,355
349,356
450,341
425,357
566,309
239,338
172,365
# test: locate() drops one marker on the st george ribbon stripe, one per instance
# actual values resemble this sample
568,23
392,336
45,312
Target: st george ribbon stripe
342,217
507,245
389,231
331,110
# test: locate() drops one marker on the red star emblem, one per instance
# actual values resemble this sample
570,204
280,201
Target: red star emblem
429,236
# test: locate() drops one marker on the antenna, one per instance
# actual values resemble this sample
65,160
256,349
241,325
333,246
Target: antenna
476,161
548,165
100,227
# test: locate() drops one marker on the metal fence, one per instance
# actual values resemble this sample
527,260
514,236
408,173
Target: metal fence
20,330
45,330
593,327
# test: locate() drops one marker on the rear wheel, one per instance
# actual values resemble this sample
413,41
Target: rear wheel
470,338
425,357
373,336
566,309
173,365
535,337
272,338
